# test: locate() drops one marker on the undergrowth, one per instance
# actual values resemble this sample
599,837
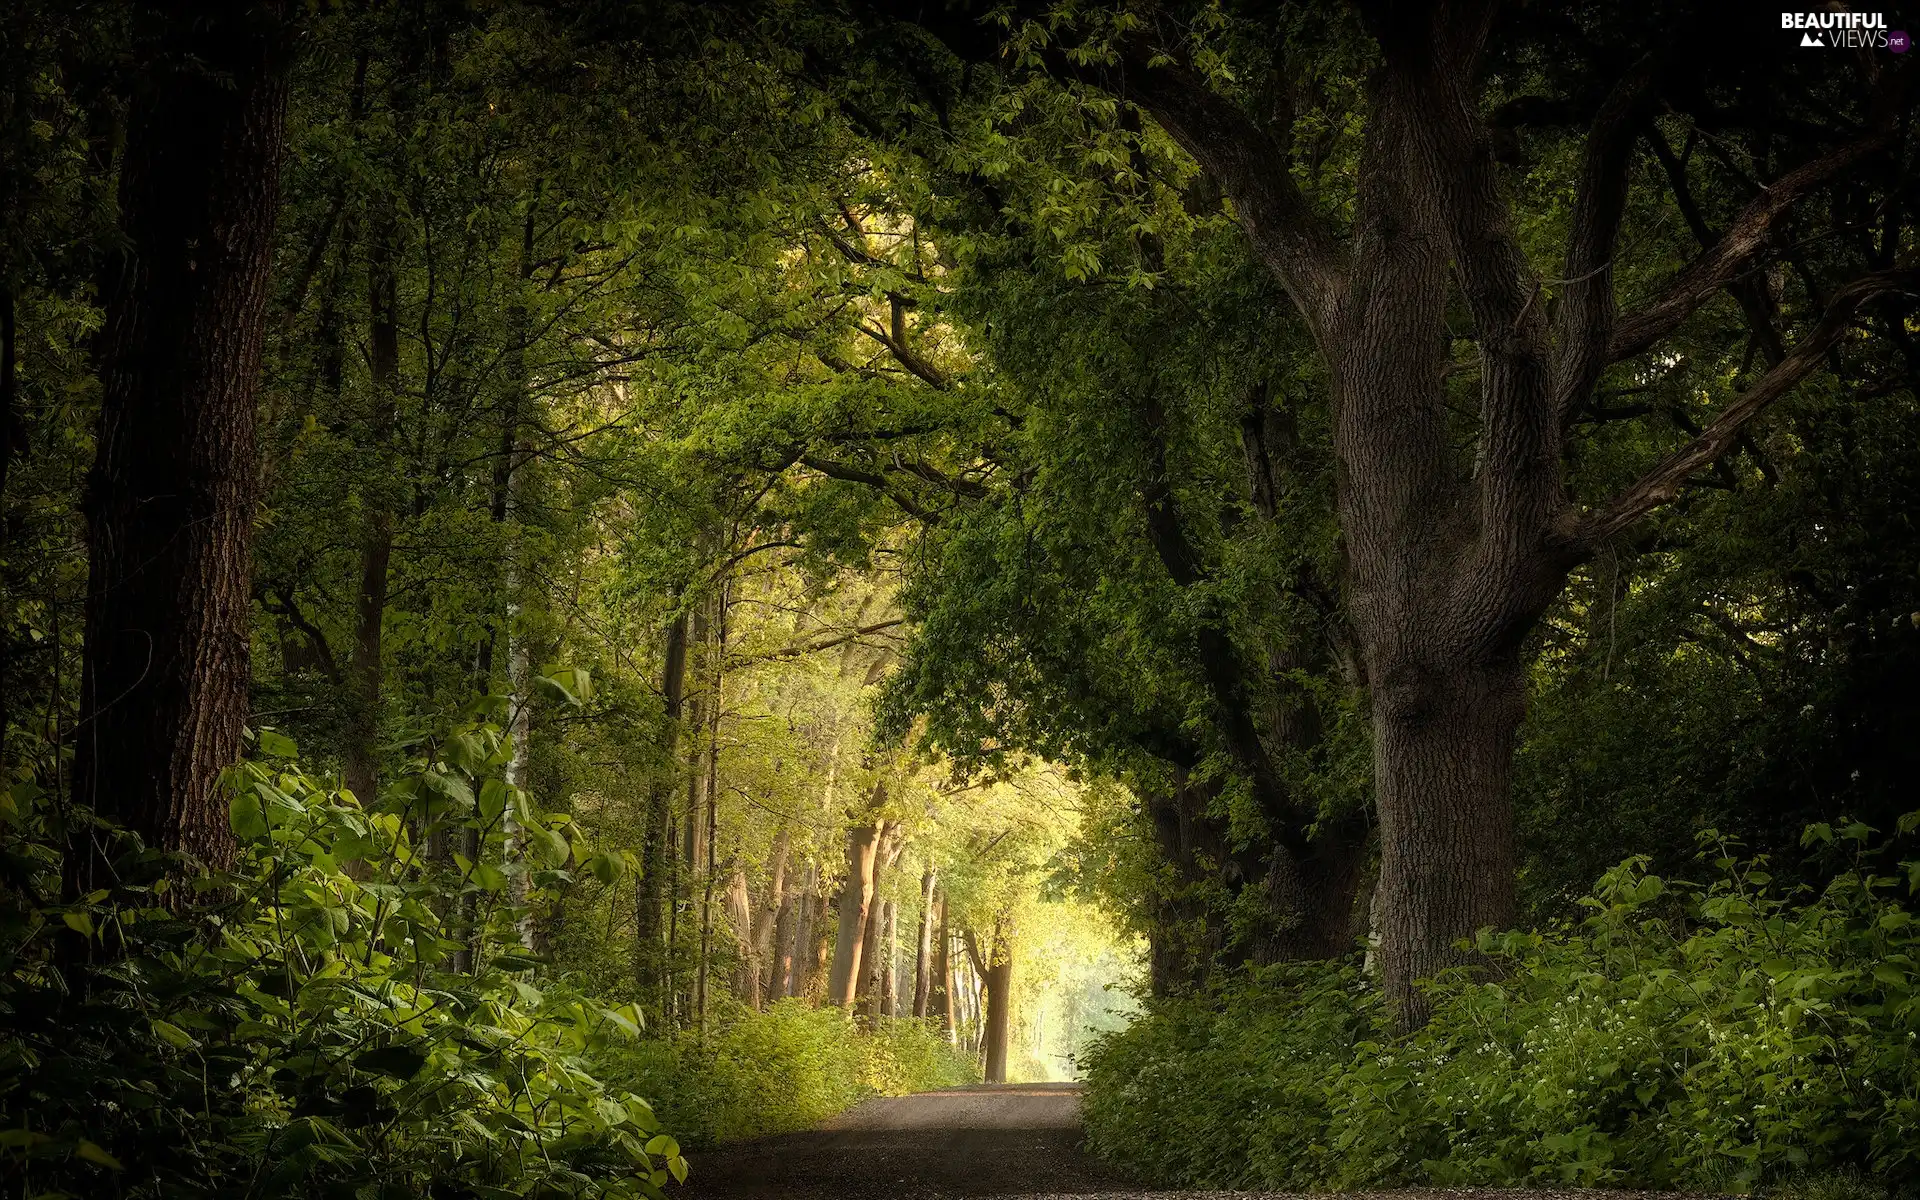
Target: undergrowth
341,1015
784,1069
1723,1036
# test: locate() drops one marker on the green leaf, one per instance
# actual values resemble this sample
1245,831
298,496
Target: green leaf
605,867
175,1036
569,685
493,800
550,845
245,815
274,744
95,1154
80,922
663,1144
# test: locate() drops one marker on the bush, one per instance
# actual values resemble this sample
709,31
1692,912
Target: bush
292,1028
1712,1037
787,1068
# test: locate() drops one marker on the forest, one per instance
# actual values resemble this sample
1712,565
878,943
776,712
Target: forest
588,581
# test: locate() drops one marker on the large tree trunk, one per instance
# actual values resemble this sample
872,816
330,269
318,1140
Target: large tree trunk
1445,752
796,945
170,498
740,922
856,901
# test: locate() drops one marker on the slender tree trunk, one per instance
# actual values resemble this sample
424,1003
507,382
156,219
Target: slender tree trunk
701,706
651,893
890,958
941,1000
873,956
819,951
797,944
12,442
520,729
170,498
763,969
710,818
376,536
740,921
856,899
513,847
923,945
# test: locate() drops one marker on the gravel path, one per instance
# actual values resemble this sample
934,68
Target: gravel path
992,1140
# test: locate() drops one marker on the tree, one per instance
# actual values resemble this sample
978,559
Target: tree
1458,529
164,695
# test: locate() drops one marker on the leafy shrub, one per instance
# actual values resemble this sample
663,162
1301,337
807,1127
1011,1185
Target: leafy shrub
1712,1036
292,1028
787,1068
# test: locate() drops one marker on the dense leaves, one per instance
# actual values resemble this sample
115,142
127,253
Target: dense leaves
293,1028
1696,1036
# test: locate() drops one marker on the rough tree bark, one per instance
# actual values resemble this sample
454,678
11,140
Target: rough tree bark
170,498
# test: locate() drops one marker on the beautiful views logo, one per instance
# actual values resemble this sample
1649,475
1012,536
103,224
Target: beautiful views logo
1845,31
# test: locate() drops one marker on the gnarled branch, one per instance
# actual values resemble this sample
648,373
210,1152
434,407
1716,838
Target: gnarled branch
1748,234
1664,481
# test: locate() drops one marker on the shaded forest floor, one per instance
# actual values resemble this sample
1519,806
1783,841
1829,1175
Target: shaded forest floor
988,1140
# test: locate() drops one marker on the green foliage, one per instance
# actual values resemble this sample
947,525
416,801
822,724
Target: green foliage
1699,1037
787,1068
293,1028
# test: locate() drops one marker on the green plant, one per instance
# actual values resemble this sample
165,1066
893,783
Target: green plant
1709,1036
295,1027
784,1069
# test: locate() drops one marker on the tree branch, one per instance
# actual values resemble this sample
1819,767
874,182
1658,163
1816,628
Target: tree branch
1664,481
290,609
904,354
1249,164
1748,234
846,474
815,647
1587,310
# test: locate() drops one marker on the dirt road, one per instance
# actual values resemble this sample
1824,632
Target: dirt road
1011,1140
1006,1140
